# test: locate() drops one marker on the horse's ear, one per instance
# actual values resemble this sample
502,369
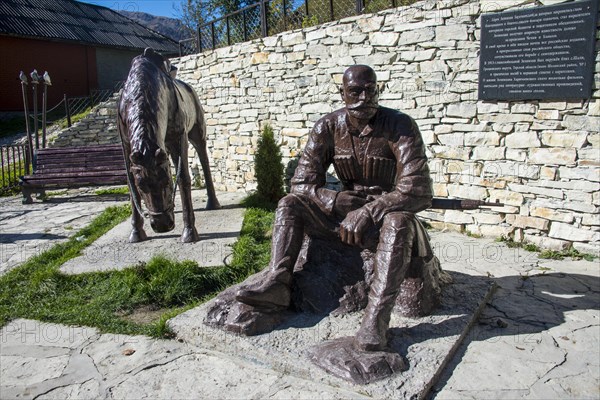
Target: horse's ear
136,157
160,156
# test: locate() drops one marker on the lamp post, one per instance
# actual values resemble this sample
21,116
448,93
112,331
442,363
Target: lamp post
35,80
23,79
47,82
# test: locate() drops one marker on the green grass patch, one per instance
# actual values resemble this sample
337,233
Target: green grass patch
63,123
123,190
547,254
109,301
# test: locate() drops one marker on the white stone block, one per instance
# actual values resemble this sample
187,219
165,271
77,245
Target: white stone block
416,36
545,242
564,139
386,39
452,139
457,217
462,110
569,232
423,55
522,140
523,108
552,156
451,32
488,153
482,139
582,123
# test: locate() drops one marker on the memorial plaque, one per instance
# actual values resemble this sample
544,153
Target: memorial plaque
539,53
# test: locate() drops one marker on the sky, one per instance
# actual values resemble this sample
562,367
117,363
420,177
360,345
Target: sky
165,8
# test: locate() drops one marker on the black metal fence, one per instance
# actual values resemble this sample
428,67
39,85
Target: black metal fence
269,17
77,105
15,162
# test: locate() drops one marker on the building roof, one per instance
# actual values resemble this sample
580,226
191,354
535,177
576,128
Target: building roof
72,21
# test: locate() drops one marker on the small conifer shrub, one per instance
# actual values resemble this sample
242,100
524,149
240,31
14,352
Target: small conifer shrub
269,167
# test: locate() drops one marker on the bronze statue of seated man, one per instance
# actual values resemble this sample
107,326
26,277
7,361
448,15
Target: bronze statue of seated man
379,156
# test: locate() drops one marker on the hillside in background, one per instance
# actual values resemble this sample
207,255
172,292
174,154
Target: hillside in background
170,27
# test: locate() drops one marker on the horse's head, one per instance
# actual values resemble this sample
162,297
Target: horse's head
152,178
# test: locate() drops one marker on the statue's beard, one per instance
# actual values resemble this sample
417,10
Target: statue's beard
362,111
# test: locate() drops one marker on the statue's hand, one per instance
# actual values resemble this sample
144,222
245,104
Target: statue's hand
348,201
354,227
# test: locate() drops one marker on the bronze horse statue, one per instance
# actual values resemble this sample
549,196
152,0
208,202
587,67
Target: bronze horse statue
157,115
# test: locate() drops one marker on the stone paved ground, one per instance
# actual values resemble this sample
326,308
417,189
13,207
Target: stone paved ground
538,338
27,230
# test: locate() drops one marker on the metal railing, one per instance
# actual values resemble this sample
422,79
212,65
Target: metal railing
269,17
76,105
15,162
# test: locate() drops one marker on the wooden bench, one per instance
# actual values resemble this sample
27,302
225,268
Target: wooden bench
72,167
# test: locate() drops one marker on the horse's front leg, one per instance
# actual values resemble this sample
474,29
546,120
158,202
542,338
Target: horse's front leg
190,234
137,220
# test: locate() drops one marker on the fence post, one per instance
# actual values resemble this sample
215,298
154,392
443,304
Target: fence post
285,24
34,84
212,34
28,168
228,33
245,28
331,12
23,78
67,110
2,161
263,19
360,5
199,38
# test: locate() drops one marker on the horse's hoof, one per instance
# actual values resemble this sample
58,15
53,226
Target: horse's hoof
137,236
213,204
189,235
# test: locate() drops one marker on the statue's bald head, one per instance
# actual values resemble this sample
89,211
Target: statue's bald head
359,72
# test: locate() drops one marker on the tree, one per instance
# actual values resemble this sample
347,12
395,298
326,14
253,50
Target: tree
269,168
195,13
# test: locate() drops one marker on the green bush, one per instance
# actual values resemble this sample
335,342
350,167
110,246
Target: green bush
269,168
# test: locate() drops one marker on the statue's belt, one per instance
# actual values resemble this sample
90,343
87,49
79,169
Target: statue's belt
378,171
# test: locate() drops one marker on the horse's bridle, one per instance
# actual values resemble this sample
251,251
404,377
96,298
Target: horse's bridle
137,202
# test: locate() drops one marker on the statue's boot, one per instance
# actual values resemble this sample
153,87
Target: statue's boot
389,270
274,291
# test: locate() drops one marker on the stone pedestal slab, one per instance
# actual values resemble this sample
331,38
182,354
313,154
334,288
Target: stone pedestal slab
426,343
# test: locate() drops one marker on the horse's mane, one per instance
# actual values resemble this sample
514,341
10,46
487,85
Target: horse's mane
142,89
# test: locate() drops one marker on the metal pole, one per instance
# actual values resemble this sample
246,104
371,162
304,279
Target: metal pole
199,36
47,82
23,78
228,33
27,161
35,80
360,6
285,23
245,28
212,33
263,19
14,164
2,149
67,110
331,12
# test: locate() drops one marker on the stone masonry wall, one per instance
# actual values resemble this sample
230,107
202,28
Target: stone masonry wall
98,127
540,158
